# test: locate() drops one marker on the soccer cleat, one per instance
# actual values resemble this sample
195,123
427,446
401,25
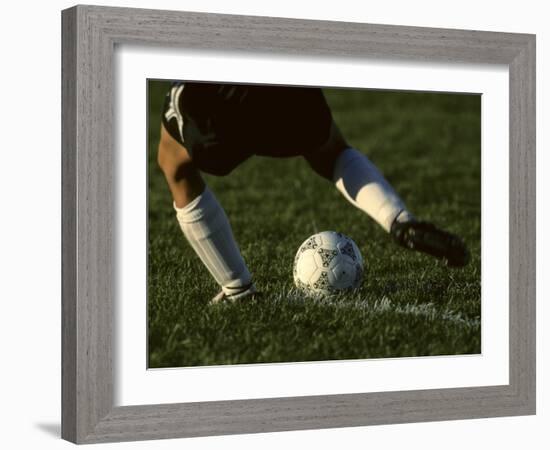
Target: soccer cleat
427,238
240,293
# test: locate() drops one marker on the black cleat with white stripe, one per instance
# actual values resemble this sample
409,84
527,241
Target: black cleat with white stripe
427,238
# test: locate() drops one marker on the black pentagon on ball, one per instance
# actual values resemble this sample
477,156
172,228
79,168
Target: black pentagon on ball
327,256
349,251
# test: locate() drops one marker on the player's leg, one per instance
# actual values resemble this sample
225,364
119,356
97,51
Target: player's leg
358,179
203,220
184,180
364,186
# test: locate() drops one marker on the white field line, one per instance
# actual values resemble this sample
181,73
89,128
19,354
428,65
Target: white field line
426,310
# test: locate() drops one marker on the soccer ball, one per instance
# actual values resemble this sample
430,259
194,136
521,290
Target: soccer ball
327,263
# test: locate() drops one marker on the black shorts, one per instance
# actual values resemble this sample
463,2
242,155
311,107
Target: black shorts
221,125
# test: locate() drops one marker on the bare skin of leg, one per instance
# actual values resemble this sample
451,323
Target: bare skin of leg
183,178
322,160
186,184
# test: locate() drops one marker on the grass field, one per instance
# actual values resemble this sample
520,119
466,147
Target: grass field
428,146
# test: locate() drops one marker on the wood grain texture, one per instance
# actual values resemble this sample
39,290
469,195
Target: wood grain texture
68,225
88,152
88,304
523,224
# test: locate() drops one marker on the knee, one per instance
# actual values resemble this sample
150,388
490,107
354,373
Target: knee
173,160
175,169
323,160
323,164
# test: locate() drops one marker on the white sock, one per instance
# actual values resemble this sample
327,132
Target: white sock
364,186
206,227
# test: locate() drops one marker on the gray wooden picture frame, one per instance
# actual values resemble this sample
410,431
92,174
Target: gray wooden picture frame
90,34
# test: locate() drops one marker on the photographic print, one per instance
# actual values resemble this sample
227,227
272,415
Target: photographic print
290,224
255,299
